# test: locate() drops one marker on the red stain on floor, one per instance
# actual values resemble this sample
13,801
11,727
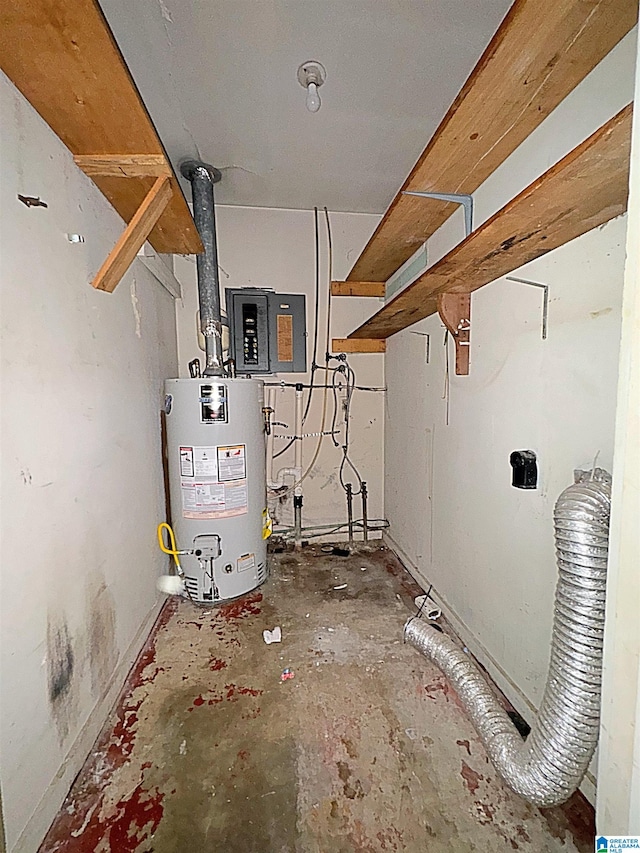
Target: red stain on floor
133,820
80,824
138,818
252,714
247,606
471,778
485,813
233,691
407,584
465,744
439,686
89,820
389,839
230,692
522,833
123,735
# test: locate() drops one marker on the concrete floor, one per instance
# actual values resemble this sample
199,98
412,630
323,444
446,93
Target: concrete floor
365,749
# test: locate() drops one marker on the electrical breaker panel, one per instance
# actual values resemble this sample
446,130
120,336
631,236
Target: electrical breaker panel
268,330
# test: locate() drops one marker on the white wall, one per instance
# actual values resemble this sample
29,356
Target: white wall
82,483
262,247
619,764
455,518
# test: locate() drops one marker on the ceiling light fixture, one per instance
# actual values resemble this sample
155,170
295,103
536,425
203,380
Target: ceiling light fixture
311,75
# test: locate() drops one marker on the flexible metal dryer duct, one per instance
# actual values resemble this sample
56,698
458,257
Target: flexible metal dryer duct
202,178
548,767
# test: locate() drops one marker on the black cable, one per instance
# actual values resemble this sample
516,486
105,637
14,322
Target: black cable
381,524
293,385
418,613
337,530
384,523
284,449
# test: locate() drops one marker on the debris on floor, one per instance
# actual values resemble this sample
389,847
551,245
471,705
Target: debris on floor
427,607
369,751
274,636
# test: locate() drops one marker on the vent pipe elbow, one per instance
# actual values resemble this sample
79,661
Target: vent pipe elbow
548,767
202,178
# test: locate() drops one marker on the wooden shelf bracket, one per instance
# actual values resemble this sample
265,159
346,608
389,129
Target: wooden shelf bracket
358,288
124,252
358,345
455,312
124,165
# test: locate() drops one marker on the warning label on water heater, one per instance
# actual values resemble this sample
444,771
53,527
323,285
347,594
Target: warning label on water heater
246,562
213,481
186,462
231,463
204,462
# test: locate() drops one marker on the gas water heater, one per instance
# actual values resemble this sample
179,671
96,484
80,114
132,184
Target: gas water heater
217,483
215,443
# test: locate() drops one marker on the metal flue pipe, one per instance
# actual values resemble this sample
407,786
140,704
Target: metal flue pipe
548,767
202,178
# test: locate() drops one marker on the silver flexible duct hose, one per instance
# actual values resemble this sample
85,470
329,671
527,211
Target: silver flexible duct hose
202,178
548,767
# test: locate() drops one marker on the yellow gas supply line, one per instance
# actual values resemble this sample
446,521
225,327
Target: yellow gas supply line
172,550
167,583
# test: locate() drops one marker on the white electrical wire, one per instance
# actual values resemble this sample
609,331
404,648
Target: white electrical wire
321,435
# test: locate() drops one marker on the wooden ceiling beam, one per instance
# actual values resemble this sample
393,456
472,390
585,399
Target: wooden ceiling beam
542,50
62,56
585,189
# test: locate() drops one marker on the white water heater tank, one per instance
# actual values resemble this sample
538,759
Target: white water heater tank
217,483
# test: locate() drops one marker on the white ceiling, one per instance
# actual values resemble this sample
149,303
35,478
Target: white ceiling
219,80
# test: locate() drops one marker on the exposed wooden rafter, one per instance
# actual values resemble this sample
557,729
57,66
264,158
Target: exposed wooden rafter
63,58
585,189
539,54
